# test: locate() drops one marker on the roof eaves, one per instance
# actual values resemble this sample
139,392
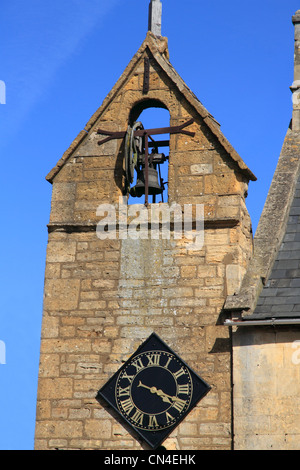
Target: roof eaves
263,322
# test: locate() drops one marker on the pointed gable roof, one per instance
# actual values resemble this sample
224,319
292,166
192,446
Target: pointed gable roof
270,290
158,48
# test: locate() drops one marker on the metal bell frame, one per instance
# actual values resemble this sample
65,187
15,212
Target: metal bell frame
147,134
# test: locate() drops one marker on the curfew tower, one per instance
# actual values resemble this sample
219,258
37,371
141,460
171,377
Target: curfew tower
134,351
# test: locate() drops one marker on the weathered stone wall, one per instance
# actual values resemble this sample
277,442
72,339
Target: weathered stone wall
266,365
104,297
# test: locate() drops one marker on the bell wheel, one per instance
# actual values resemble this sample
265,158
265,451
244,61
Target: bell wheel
133,148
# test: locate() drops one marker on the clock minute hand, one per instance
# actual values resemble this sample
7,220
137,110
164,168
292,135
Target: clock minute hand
160,393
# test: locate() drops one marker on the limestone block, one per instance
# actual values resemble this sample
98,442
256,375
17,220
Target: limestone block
223,184
234,276
61,251
61,429
63,191
201,169
61,294
61,211
132,83
43,409
231,212
65,345
90,146
95,428
55,388
50,326
52,270
49,365
195,443
71,172
97,190
188,429
104,163
58,443
190,186
188,271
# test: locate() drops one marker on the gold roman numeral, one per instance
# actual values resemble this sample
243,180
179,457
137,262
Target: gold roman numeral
138,364
179,373
138,417
183,389
152,422
153,359
127,405
179,404
168,362
124,391
169,417
128,377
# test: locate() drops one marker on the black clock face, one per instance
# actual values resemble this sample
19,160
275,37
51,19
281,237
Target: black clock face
153,391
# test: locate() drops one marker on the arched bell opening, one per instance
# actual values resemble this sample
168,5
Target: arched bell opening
146,141
143,105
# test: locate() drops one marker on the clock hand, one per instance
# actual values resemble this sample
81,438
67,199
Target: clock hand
160,393
152,389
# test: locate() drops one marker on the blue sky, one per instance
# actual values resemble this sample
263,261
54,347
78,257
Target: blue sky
59,60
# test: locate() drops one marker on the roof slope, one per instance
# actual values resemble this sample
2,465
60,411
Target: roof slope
281,295
271,286
158,47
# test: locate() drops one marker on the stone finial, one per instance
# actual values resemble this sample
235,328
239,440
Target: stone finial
295,88
296,17
155,14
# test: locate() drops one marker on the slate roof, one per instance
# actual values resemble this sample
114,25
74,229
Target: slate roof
281,295
270,289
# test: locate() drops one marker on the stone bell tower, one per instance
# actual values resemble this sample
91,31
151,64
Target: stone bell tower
110,285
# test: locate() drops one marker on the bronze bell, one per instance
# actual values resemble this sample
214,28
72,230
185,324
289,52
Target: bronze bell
153,185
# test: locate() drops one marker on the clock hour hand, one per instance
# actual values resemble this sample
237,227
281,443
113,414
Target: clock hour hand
166,398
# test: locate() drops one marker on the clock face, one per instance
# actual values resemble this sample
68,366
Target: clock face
153,391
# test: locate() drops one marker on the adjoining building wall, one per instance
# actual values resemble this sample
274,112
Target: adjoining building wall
266,384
